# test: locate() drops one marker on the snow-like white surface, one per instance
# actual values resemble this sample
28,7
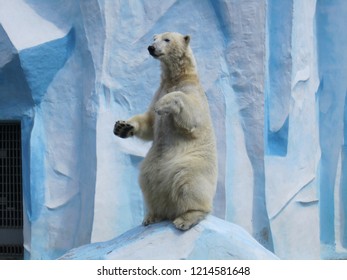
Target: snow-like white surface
211,239
275,76
25,27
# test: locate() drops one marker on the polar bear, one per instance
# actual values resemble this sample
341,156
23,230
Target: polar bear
178,176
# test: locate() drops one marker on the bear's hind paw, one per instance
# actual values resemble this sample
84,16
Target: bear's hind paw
189,219
150,220
181,224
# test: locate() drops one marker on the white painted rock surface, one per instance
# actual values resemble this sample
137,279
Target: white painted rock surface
212,238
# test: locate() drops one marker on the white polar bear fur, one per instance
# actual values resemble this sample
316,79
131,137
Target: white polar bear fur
179,174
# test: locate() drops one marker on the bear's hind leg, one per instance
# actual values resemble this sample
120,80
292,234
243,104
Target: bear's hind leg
151,219
189,219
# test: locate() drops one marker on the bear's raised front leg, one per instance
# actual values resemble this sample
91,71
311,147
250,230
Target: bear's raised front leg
184,109
170,103
189,219
139,125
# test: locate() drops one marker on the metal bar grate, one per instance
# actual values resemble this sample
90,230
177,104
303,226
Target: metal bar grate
11,201
11,252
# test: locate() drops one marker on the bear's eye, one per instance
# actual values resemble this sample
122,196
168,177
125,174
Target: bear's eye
167,40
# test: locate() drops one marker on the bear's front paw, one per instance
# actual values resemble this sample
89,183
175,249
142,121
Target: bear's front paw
123,129
167,105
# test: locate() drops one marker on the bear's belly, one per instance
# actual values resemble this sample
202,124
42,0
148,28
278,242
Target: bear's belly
158,169
164,171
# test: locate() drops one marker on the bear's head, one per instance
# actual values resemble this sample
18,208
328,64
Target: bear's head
169,46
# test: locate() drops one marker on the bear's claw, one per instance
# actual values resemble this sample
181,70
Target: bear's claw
123,129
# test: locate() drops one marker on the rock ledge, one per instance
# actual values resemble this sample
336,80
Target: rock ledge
212,238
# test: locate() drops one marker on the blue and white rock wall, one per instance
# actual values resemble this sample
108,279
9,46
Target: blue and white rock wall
274,73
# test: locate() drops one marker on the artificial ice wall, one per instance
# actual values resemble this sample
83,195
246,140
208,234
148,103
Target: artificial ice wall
275,74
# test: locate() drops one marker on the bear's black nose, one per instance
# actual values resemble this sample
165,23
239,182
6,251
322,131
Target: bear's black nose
151,50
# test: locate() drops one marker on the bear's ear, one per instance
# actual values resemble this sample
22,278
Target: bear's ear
187,39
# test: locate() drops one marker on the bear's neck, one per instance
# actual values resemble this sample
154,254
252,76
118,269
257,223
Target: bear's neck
178,70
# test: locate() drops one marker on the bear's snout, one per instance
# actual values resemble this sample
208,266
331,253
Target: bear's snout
151,50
